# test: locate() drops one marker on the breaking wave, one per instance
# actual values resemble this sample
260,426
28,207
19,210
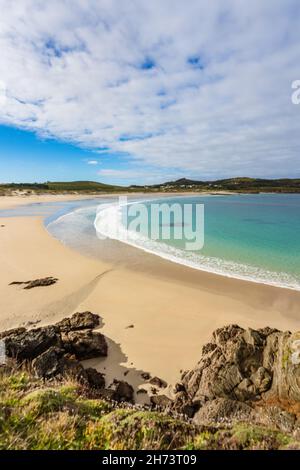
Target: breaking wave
108,224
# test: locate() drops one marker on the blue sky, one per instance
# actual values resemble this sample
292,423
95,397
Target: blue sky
30,158
144,92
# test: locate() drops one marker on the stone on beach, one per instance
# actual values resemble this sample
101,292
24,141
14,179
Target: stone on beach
43,282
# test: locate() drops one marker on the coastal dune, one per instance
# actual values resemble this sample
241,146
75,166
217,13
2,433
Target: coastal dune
156,320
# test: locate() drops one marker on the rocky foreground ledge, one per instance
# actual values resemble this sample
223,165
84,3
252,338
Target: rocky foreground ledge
244,376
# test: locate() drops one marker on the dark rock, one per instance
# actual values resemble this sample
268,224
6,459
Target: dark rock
95,378
158,382
129,326
141,391
145,375
54,363
122,391
79,321
184,405
161,401
189,409
85,344
32,343
46,281
48,363
179,387
12,332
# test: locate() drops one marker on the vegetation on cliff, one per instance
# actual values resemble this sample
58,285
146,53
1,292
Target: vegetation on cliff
59,415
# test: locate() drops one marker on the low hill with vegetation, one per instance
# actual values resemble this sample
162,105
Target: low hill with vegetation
60,187
232,185
243,185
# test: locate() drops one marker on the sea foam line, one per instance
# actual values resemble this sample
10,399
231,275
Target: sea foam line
108,223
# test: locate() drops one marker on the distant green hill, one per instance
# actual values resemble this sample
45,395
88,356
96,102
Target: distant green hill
241,184
70,186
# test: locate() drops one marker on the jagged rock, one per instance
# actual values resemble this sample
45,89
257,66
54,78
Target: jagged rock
55,350
286,367
158,382
32,343
122,391
221,410
46,281
95,378
79,321
84,344
182,404
161,401
261,379
12,332
48,363
55,362
179,387
244,365
245,390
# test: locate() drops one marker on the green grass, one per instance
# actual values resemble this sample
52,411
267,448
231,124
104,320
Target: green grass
36,415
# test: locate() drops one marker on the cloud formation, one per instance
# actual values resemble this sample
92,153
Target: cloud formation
197,87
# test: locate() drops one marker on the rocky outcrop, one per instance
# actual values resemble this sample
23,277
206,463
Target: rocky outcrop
79,340
55,351
122,391
29,344
79,321
220,409
95,379
241,371
84,344
243,374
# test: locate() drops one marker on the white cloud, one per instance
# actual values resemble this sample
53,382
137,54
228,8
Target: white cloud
92,162
200,87
138,176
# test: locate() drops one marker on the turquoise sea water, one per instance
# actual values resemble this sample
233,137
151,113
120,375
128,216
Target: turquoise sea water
253,237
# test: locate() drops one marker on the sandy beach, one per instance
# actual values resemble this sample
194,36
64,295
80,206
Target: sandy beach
173,309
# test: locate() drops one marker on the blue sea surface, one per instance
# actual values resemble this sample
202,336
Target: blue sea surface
252,236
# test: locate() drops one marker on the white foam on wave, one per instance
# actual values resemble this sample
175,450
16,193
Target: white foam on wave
108,223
